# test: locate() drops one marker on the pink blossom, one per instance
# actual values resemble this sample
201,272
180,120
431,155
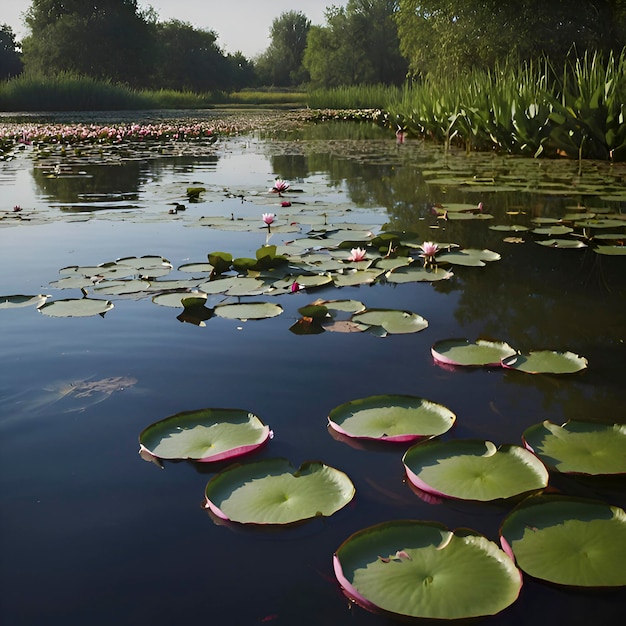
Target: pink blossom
429,250
296,286
357,254
268,218
17,208
285,204
279,186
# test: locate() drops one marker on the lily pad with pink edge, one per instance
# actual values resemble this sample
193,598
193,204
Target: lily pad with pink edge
420,569
394,418
273,492
205,435
462,352
472,469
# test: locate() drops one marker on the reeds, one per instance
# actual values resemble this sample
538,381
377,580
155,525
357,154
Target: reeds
515,108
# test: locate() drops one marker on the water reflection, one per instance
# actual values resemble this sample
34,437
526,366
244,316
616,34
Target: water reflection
74,488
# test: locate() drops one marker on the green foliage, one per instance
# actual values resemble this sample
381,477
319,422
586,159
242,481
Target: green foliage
281,63
10,61
452,36
358,45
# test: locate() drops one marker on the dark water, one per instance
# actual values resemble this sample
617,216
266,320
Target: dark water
91,534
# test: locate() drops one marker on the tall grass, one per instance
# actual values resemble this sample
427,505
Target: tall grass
516,108
69,92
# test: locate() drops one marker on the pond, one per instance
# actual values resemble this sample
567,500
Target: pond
93,534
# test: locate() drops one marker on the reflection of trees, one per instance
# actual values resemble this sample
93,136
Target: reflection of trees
125,178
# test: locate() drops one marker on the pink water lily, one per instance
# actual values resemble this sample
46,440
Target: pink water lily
429,250
357,254
268,218
279,186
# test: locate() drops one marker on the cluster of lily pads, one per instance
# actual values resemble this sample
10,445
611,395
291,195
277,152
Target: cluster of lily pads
409,567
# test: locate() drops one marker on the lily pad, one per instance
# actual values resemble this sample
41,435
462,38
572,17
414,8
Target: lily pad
468,257
480,353
562,243
418,274
18,301
610,250
205,435
271,491
391,418
474,469
568,541
423,570
79,307
578,447
546,362
391,320
248,311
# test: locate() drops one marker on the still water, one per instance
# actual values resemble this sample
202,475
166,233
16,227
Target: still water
92,534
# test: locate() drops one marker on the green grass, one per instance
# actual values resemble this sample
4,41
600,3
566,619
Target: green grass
79,93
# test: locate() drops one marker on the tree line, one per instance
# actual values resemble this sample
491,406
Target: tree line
363,42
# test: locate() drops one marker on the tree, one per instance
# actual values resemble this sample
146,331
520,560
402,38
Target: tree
281,63
443,36
359,44
10,61
105,39
189,58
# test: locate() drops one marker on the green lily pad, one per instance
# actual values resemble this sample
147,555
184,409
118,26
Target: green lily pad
468,257
121,287
175,299
562,243
412,274
610,250
568,541
473,469
423,570
358,277
579,447
546,362
248,311
557,229
80,307
514,228
271,491
391,320
18,301
391,418
205,435
480,353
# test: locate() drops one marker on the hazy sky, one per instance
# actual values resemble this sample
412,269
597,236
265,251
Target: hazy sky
240,24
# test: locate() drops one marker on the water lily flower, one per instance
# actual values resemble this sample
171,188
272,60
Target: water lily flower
17,208
357,254
429,250
268,218
296,286
286,203
279,186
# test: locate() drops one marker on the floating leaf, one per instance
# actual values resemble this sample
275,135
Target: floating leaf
473,469
468,257
18,301
391,418
562,243
271,491
546,362
568,541
205,435
462,352
80,307
447,575
175,299
248,311
579,447
391,320
611,250
417,274
358,277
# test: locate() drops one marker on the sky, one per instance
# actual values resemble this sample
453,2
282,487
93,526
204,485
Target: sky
241,25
